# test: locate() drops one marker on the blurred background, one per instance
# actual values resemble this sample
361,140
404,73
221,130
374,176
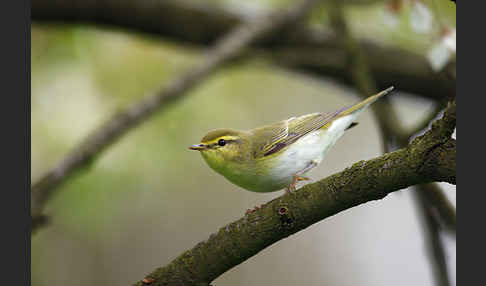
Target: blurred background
148,198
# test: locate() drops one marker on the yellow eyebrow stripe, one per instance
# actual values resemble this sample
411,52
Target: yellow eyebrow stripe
226,137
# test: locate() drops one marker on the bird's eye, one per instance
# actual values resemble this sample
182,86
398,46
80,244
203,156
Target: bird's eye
221,142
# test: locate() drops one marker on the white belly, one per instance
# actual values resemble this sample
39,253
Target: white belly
310,148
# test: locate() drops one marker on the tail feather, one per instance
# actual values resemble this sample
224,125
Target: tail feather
365,103
351,125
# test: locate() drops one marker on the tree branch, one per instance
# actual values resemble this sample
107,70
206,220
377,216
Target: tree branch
224,50
393,133
443,147
360,75
299,47
364,181
434,208
390,126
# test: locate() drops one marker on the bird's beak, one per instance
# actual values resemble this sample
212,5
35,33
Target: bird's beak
198,147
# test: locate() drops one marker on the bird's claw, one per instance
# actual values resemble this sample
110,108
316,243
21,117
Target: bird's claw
300,178
296,178
290,189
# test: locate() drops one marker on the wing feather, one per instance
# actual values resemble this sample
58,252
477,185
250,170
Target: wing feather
268,136
272,138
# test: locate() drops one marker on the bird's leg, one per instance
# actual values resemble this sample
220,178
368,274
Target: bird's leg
291,188
298,177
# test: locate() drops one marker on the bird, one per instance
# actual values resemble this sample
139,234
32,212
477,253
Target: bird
277,156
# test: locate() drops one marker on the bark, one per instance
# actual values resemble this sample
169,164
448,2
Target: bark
363,182
394,134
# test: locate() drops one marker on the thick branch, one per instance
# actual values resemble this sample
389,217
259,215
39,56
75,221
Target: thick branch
298,47
364,181
226,49
434,207
393,133
390,125
443,147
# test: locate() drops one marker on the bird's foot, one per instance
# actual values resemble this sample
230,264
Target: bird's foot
300,178
296,178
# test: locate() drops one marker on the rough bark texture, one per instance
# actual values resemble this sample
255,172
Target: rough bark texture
394,134
297,47
364,181
429,158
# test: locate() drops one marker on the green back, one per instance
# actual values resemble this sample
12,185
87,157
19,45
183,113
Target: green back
269,139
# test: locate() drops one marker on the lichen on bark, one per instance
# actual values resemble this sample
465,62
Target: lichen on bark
429,158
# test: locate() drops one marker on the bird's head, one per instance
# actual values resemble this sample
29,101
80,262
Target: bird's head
221,146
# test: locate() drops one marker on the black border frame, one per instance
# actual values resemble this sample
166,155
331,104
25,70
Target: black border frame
15,120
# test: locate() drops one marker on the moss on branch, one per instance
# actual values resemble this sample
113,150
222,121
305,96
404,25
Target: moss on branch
362,182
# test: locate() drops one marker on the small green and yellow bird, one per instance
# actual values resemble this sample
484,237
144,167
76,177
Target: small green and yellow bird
276,156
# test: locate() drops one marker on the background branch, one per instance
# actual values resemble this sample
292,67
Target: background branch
432,158
364,181
432,235
393,133
224,50
440,207
360,75
298,47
